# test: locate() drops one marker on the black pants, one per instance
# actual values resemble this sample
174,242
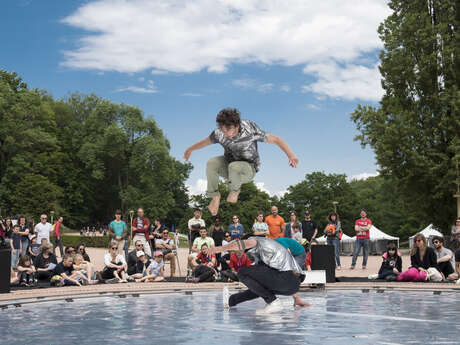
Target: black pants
445,268
44,275
204,273
26,278
265,282
386,273
223,262
230,275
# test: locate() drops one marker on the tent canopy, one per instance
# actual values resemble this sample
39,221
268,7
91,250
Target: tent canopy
376,234
429,231
345,238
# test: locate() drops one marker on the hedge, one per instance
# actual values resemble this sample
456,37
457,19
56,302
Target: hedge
94,242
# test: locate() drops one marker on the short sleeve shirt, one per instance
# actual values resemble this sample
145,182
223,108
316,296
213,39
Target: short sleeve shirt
199,242
236,230
193,221
118,227
363,222
243,147
274,226
445,252
457,255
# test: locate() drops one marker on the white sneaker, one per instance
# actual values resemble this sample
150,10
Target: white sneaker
274,307
373,276
225,297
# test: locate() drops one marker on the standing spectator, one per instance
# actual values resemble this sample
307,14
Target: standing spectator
423,259
217,231
15,242
43,229
238,259
445,259
26,271
24,231
309,227
81,249
236,229
2,231
293,220
8,227
46,262
297,236
166,246
362,227
391,265
195,224
58,236
333,233
455,232
276,225
260,228
118,231
198,243
155,232
115,265
34,248
140,229
133,258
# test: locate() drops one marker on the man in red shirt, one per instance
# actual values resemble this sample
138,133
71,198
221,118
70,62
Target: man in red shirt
237,260
362,227
140,229
57,237
275,223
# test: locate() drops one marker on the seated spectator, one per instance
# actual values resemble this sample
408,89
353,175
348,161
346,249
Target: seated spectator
313,242
238,259
236,229
166,246
423,263
203,258
197,244
295,248
45,262
15,243
14,280
391,266
115,265
64,274
34,248
143,263
84,268
445,259
70,250
132,257
26,271
155,271
204,266
224,259
457,262
81,249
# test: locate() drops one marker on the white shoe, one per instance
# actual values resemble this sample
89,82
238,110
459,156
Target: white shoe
458,281
373,276
274,307
225,297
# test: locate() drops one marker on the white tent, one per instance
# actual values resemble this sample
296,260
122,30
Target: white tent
345,238
379,240
346,244
429,232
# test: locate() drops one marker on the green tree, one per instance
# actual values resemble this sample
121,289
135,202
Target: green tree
415,130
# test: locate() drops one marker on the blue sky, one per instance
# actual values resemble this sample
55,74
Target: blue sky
297,71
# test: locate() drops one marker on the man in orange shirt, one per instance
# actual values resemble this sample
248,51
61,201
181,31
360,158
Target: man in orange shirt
275,223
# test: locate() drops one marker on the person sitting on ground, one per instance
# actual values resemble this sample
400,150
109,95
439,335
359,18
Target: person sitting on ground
204,266
236,229
26,271
14,279
15,243
64,274
133,258
307,247
81,249
238,259
70,250
391,265
155,271
457,261
203,258
166,245
84,268
423,263
34,248
295,248
260,228
224,259
115,265
143,263
45,262
199,241
445,259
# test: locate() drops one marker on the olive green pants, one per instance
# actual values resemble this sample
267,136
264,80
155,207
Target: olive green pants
236,173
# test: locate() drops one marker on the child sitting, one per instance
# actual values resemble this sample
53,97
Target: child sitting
391,265
84,268
155,271
26,271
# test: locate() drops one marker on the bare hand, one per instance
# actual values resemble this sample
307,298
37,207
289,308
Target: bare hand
293,162
212,251
395,271
187,154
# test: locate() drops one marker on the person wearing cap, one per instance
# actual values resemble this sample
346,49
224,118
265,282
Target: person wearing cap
132,257
309,227
142,264
195,224
155,271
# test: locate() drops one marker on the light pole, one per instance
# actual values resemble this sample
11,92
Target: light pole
335,203
131,215
52,216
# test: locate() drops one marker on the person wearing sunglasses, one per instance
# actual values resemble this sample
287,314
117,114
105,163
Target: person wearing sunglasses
43,229
446,261
166,246
133,258
115,265
236,229
391,265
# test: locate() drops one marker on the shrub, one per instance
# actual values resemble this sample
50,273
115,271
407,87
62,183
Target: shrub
94,242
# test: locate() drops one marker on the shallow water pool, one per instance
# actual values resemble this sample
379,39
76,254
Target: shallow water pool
335,317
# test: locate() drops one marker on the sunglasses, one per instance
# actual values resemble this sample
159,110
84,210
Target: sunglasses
228,236
419,240
435,242
114,248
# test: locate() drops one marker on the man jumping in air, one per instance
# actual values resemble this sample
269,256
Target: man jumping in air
241,160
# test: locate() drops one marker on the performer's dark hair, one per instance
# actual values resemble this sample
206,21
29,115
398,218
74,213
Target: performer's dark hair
228,117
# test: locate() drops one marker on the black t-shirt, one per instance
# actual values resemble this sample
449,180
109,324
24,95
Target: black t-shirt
42,262
218,236
457,255
308,229
60,268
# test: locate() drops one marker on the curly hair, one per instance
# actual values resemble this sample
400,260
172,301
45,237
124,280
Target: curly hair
228,117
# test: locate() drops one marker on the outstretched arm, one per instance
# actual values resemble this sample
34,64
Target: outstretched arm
273,139
199,145
234,245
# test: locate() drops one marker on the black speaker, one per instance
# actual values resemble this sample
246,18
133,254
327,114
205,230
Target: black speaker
5,270
323,258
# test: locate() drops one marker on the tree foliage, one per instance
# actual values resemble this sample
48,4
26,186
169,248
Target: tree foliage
415,130
83,157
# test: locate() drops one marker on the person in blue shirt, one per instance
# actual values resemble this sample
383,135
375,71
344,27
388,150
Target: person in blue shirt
296,249
236,229
118,231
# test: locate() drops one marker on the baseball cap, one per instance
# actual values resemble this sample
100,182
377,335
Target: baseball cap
140,253
158,253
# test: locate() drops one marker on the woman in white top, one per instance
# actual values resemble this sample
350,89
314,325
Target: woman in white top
115,265
260,228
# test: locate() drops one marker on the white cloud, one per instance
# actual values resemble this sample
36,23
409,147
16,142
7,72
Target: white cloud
313,107
191,94
158,72
254,84
198,188
362,176
285,88
189,36
261,187
151,88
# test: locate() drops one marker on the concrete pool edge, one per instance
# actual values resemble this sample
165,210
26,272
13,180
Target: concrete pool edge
19,297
